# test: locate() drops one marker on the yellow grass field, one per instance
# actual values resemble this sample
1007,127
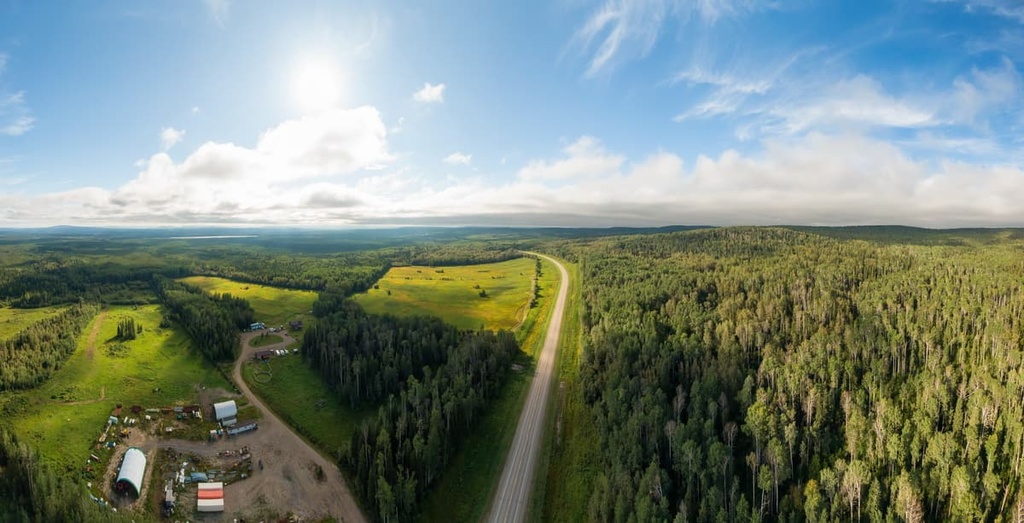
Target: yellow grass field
13,321
273,306
453,293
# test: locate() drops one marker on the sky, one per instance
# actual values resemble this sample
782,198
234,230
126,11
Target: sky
528,113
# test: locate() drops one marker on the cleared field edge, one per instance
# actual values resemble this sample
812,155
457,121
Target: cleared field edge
13,321
531,341
566,371
446,298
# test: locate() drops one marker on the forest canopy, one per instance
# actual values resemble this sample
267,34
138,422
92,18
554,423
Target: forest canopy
777,375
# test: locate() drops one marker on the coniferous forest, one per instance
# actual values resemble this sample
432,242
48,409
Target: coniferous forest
431,380
767,374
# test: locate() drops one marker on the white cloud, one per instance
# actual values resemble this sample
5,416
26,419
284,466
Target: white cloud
458,158
859,101
585,158
430,94
15,117
219,9
196,109
984,92
621,30
1011,9
816,178
169,136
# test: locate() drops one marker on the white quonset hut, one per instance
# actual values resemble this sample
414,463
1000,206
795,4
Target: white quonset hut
133,468
226,413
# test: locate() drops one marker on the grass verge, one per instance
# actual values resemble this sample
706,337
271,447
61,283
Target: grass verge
471,478
567,463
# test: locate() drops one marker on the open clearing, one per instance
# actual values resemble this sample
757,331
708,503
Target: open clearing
273,306
13,321
453,293
298,395
62,417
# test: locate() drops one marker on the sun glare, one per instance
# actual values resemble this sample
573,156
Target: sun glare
317,86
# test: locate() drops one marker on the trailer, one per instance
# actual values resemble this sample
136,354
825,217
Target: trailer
244,428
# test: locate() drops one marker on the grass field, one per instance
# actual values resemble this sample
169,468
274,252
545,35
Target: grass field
467,484
453,293
13,321
273,306
294,391
64,415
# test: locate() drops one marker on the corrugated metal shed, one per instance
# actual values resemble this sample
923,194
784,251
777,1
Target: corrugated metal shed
210,505
133,468
225,412
210,497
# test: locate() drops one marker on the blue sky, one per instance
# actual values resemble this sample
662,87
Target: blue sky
572,112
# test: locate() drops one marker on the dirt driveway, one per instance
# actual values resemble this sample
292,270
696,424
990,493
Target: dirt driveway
287,482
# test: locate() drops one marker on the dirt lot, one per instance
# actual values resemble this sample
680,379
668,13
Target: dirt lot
288,481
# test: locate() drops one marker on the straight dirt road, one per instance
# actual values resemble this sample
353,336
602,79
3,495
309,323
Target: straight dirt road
512,500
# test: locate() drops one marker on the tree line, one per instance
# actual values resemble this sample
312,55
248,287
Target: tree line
767,375
433,382
34,354
366,357
56,280
213,321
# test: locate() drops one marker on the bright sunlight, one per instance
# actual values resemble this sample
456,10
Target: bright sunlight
316,85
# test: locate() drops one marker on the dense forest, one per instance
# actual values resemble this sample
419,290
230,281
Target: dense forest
767,374
31,356
54,280
432,381
366,357
212,321
32,492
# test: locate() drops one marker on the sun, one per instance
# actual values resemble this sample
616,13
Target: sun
316,85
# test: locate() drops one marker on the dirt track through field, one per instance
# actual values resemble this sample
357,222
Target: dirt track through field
512,500
94,333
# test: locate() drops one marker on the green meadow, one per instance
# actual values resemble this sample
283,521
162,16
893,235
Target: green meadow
13,321
273,306
297,394
454,293
63,416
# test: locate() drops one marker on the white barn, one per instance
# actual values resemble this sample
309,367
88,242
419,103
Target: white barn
133,468
226,412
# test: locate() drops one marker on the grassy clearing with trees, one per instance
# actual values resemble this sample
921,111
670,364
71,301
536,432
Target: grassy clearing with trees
273,306
298,396
62,417
455,294
13,321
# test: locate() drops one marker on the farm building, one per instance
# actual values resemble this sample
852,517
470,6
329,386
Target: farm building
210,497
226,412
133,468
263,355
